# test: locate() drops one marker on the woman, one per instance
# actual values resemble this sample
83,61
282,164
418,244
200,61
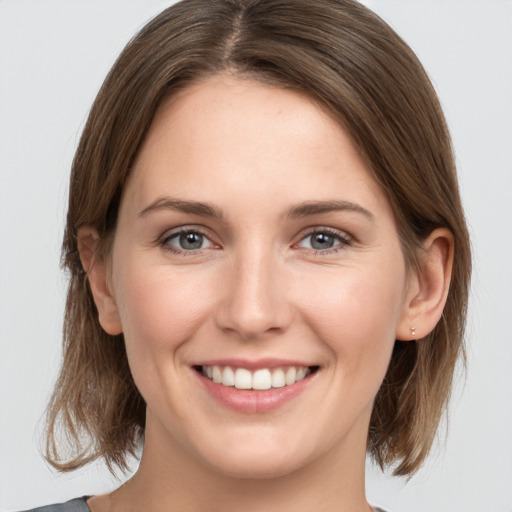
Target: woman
269,262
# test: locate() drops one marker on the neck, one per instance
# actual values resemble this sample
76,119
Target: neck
172,479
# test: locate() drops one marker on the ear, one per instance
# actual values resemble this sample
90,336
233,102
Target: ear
97,273
428,287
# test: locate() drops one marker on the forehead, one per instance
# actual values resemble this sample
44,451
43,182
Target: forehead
224,133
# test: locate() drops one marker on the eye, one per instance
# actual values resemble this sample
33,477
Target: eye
325,240
187,240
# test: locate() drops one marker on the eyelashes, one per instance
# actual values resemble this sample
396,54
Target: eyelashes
192,240
187,241
323,240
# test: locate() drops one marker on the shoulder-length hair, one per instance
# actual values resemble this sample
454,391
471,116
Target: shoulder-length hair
352,63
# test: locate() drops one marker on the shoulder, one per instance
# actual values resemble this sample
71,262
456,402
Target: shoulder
76,505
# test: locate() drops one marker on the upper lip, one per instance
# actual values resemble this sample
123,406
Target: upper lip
253,364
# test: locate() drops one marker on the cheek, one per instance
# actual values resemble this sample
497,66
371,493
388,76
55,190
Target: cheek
160,307
355,312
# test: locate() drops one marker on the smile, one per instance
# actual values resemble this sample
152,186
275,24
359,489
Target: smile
260,379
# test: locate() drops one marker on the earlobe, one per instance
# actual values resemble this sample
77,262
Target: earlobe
428,288
97,274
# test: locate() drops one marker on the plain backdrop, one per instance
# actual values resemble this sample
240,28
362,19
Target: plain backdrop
53,57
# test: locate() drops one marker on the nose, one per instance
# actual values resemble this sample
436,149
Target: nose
254,300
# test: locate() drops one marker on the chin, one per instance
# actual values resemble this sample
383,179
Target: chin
257,467
263,455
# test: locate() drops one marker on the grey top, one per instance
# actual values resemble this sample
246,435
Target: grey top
80,505
76,505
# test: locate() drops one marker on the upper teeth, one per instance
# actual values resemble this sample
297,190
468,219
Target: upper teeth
263,378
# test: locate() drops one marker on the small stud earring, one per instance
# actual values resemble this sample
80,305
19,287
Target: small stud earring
413,331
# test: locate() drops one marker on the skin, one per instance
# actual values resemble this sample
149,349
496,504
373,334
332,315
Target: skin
256,288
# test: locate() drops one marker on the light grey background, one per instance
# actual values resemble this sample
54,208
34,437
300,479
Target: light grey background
53,57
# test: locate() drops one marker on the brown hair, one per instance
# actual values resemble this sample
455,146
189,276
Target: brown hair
351,62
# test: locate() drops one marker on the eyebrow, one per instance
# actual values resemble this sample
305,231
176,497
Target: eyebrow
193,207
202,209
317,207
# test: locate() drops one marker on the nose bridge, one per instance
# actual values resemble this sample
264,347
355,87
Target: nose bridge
254,302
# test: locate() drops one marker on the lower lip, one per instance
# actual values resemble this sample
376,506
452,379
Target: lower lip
250,401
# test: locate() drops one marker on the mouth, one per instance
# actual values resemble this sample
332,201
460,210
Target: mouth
260,379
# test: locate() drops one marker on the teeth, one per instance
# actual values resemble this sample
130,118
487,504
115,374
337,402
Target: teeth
261,379
290,375
217,375
243,379
278,378
228,376
301,373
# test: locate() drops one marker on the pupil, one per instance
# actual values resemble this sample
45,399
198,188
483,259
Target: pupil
322,241
191,241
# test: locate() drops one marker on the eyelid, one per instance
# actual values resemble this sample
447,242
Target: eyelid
175,232
344,238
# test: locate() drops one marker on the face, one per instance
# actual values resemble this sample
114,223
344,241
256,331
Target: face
258,279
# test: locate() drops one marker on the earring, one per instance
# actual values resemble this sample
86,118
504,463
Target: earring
413,331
